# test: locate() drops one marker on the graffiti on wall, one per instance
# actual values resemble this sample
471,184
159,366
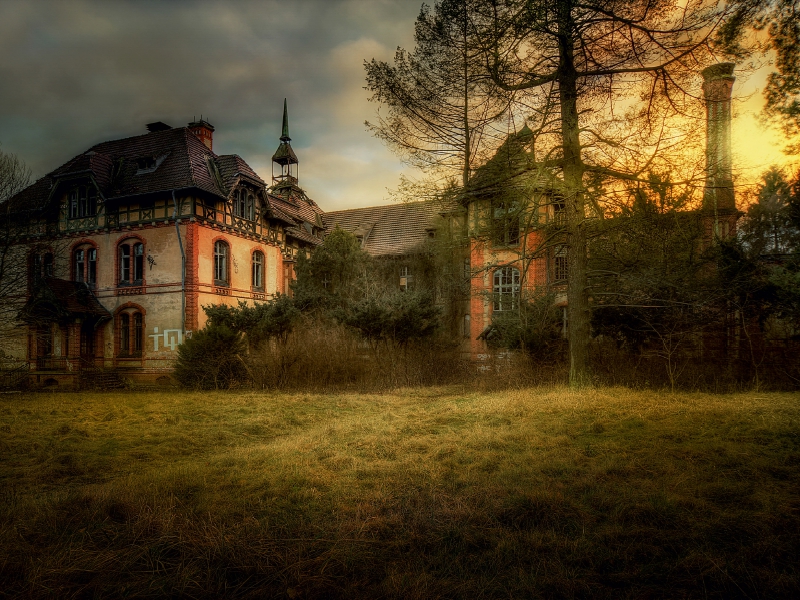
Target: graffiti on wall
169,338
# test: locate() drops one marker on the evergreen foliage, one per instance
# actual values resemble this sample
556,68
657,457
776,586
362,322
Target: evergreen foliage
212,359
535,328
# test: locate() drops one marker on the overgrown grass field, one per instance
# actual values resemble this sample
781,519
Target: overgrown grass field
424,493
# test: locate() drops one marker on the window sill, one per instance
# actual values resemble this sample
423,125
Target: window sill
130,291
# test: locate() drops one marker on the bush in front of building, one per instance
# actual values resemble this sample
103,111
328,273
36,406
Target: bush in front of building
213,358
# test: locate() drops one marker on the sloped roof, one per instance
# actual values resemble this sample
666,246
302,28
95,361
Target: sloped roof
512,160
58,299
302,234
181,159
232,166
390,230
293,201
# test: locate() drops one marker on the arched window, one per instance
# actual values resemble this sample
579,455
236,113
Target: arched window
506,288
251,207
84,264
258,270
82,202
131,262
130,325
221,251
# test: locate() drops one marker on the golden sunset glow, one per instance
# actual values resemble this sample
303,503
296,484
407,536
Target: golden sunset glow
756,145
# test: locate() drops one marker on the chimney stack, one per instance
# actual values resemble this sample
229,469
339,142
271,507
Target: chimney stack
717,86
203,130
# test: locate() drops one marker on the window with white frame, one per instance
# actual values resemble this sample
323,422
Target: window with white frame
221,257
131,262
405,278
84,264
506,288
258,270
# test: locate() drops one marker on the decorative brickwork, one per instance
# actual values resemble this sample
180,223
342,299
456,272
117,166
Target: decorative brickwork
192,277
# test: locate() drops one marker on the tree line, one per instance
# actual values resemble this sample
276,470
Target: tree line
606,90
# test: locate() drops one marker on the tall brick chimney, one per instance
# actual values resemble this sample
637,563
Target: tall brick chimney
204,130
717,86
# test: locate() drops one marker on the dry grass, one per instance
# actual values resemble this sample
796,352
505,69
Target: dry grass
425,493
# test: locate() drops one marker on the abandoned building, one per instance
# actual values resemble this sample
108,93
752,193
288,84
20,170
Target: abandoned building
128,240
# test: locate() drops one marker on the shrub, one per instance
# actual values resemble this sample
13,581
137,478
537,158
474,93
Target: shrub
212,359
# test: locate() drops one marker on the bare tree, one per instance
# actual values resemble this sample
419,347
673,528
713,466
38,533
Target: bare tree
14,177
439,101
616,72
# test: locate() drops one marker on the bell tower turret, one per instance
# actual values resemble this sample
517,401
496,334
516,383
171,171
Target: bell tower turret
285,157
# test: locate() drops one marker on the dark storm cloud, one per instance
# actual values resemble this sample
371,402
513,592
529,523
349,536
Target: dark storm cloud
76,73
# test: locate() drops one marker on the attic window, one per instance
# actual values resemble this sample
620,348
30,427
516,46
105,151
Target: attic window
308,227
148,164
82,202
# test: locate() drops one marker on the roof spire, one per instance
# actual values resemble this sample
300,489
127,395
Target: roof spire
285,130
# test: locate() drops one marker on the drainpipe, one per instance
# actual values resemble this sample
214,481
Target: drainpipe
183,264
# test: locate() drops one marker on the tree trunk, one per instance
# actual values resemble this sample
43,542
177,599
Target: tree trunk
577,298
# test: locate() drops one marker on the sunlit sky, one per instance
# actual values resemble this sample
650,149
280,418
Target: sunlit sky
80,72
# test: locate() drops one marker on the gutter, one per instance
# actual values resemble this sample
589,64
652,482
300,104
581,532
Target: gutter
183,264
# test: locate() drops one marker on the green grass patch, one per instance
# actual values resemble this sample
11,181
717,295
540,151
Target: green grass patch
431,493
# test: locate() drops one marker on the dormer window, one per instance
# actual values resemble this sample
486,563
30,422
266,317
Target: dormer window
244,204
82,202
148,164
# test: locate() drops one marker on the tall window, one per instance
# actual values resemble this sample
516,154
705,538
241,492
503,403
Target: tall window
131,263
560,265
244,204
559,212
505,223
131,333
258,270
506,288
82,202
41,266
221,251
405,279
84,265
47,264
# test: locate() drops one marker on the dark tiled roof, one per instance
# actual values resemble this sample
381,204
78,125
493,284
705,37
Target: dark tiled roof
182,160
177,159
303,235
58,299
512,166
231,166
394,229
293,201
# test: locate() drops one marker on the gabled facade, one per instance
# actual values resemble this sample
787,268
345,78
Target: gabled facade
128,241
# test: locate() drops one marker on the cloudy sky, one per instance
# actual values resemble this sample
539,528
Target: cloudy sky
77,72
